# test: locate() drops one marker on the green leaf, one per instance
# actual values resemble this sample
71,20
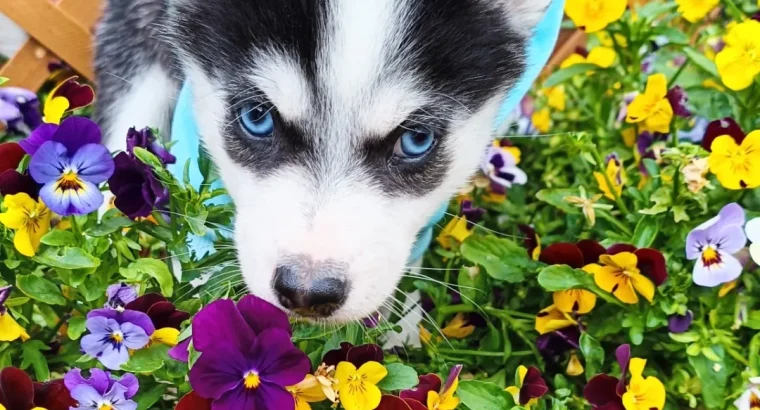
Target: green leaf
58,237
472,285
713,376
31,355
566,74
754,353
40,289
109,226
400,377
3,80
146,399
76,327
13,302
593,353
562,277
67,258
688,337
556,198
148,158
502,259
701,61
674,35
154,268
753,320
478,395
646,232
147,360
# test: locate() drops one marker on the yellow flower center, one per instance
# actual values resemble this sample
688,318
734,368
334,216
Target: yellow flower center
754,402
710,256
356,384
69,181
117,337
105,406
252,380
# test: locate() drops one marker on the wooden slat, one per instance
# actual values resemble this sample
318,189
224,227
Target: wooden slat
85,12
567,45
29,67
55,29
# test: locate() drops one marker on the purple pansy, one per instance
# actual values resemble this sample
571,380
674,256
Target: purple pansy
649,145
19,109
119,295
680,323
134,184
501,167
559,342
247,358
101,390
113,332
70,162
713,245
471,213
678,99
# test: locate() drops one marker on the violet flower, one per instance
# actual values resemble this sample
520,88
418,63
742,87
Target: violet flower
70,161
113,333
134,184
680,323
713,245
101,390
119,295
247,358
501,167
19,109
471,213
678,99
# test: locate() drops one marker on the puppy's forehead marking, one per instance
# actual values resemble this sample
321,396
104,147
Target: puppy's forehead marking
279,76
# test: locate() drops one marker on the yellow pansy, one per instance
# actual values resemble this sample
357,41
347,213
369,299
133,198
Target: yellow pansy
739,61
574,301
446,400
737,166
552,319
616,174
594,15
606,39
542,120
307,391
357,388
652,108
455,231
458,328
168,336
603,57
695,10
10,330
29,218
643,394
556,97
619,274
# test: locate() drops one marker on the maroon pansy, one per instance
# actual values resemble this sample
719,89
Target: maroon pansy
18,392
11,181
605,392
651,262
531,240
192,401
357,355
162,313
533,386
726,126
575,255
678,99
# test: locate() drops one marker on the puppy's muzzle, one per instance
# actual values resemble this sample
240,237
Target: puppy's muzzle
313,290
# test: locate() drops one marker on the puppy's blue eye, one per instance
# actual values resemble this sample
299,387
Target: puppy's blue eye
414,143
257,120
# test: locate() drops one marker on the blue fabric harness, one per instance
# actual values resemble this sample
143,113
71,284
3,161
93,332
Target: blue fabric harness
186,140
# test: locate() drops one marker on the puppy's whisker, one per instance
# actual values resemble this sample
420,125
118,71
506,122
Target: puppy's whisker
505,235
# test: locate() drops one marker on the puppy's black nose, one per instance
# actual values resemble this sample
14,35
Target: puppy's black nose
318,293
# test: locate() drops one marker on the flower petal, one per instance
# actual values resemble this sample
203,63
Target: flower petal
221,321
237,399
38,137
192,401
393,403
12,182
16,389
620,248
86,394
261,315
562,254
725,126
358,355
680,323
134,336
93,163
619,285
533,387
600,391
334,357
373,372
219,370
591,251
643,285
272,396
11,155
277,360
54,109
651,263
76,132
729,268
48,164
427,383
10,330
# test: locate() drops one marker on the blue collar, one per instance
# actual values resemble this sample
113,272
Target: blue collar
186,141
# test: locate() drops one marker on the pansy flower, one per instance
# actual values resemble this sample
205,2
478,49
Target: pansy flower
603,57
652,108
556,97
606,392
192,401
694,174
753,234
113,333
357,387
101,390
357,355
542,120
750,398
70,161
10,330
739,61
713,244
458,328
18,392
531,241
307,391
594,15
616,173
29,218
678,100
429,392
725,126
736,163
695,10
66,97
460,228
680,323
626,272
247,358
577,256
530,387
558,342
551,319
19,110
11,181
119,295
137,189
500,165
164,316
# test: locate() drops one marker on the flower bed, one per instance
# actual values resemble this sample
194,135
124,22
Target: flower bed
605,257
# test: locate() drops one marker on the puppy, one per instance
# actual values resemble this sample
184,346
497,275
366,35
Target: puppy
339,127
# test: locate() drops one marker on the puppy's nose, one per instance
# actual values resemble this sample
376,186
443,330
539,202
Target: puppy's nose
309,294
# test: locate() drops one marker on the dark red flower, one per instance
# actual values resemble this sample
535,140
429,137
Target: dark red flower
605,392
556,343
574,255
651,262
11,181
192,401
726,126
533,386
427,383
397,403
531,241
18,392
357,355
678,99
162,313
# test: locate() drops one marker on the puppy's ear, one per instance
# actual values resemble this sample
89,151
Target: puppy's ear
523,14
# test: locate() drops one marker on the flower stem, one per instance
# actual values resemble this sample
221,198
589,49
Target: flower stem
678,73
519,353
609,218
739,13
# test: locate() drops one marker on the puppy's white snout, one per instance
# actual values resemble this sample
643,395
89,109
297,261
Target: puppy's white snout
311,289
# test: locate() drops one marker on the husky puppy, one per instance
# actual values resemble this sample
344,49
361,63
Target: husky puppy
339,127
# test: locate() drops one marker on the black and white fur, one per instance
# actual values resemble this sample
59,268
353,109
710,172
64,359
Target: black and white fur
325,197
